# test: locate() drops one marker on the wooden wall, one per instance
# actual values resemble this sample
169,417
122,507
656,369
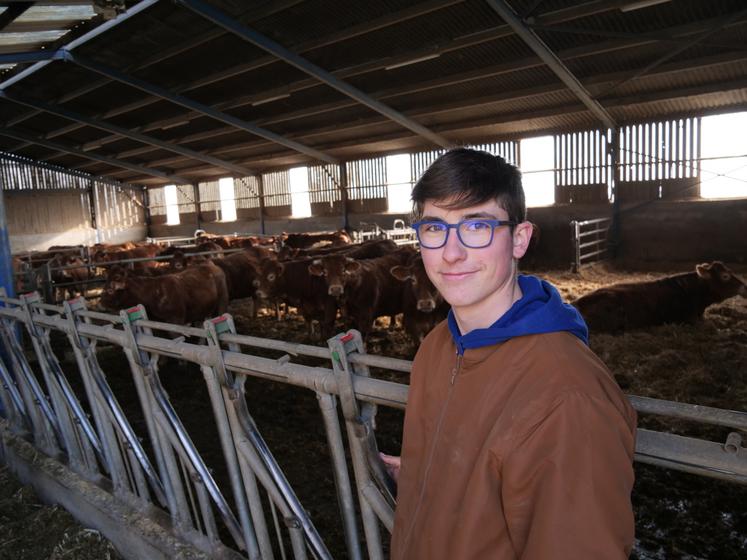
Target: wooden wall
41,218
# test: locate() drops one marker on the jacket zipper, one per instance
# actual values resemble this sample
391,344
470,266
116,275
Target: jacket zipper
454,372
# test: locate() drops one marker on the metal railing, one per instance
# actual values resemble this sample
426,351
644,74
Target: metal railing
160,466
400,233
590,240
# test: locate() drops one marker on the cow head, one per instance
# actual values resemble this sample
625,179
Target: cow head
336,270
269,271
426,294
178,260
722,281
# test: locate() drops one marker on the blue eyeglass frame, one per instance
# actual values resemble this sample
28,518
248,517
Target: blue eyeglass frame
493,223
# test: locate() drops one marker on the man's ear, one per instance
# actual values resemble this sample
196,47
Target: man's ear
521,237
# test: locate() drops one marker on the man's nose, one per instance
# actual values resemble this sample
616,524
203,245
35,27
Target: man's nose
454,250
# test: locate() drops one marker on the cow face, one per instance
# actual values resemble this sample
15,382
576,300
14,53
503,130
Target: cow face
722,281
270,270
426,294
114,293
337,270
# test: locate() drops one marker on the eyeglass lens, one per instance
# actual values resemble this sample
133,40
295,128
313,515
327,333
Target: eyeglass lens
472,233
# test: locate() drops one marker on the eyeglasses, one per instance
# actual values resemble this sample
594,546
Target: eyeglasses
475,233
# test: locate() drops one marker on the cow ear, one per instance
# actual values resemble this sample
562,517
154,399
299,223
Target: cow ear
352,266
316,268
703,270
400,272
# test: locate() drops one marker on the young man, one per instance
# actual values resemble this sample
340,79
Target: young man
518,443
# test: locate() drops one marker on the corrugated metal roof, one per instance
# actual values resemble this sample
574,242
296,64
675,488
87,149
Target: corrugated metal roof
452,66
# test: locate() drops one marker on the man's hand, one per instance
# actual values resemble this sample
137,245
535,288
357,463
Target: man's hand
392,465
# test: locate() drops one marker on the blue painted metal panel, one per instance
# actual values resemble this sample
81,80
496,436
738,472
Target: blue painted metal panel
6,259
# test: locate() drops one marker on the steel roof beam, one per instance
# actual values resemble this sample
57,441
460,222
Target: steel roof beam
495,70
102,159
311,69
66,113
195,106
552,60
11,12
26,57
95,32
507,97
554,111
558,16
164,55
722,22
589,50
355,31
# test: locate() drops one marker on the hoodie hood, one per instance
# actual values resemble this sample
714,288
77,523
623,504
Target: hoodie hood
540,310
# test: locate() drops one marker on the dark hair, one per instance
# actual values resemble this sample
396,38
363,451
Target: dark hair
471,177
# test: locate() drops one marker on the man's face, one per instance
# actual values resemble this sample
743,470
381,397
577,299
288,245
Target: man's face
475,281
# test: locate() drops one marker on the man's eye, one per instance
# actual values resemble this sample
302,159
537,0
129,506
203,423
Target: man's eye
434,228
477,226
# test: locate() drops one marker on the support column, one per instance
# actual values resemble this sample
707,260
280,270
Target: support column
344,195
614,234
6,259
198,206
93,208
261,194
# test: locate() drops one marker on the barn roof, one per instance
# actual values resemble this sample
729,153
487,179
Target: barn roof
191,90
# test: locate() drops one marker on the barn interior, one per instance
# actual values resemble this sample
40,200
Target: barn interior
146,121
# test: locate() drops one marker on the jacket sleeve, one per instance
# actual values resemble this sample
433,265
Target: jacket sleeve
566,482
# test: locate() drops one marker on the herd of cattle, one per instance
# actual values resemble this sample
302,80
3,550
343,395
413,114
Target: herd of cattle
323,275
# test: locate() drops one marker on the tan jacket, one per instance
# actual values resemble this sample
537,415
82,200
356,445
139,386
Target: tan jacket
520,450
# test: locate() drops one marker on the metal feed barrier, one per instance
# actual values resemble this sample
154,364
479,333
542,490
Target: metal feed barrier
400,233
590,239
159,468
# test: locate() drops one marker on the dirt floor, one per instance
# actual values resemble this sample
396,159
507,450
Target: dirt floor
30,530
678,516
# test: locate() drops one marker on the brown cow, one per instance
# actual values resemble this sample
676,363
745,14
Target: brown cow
242,274
365,250
423,305
101,258
291,282
673,299
74,279
193,295
365,287
182,255
309,240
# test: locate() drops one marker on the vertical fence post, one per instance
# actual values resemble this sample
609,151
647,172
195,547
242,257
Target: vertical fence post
360,428
142,367
216,378
43,421
78,435
576,244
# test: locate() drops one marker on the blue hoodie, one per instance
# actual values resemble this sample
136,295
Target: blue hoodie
540,310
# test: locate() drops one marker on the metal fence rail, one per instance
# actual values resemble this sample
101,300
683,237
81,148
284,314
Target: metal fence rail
159,467
400,233
590,239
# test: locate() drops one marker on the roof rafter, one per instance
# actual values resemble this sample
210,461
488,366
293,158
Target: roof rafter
163,54
445,81
515,65
66,113
551,59
195,106
12,11
586,9
355,31
18,135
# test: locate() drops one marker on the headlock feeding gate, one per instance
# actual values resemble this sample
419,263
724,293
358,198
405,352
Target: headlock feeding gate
127,473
